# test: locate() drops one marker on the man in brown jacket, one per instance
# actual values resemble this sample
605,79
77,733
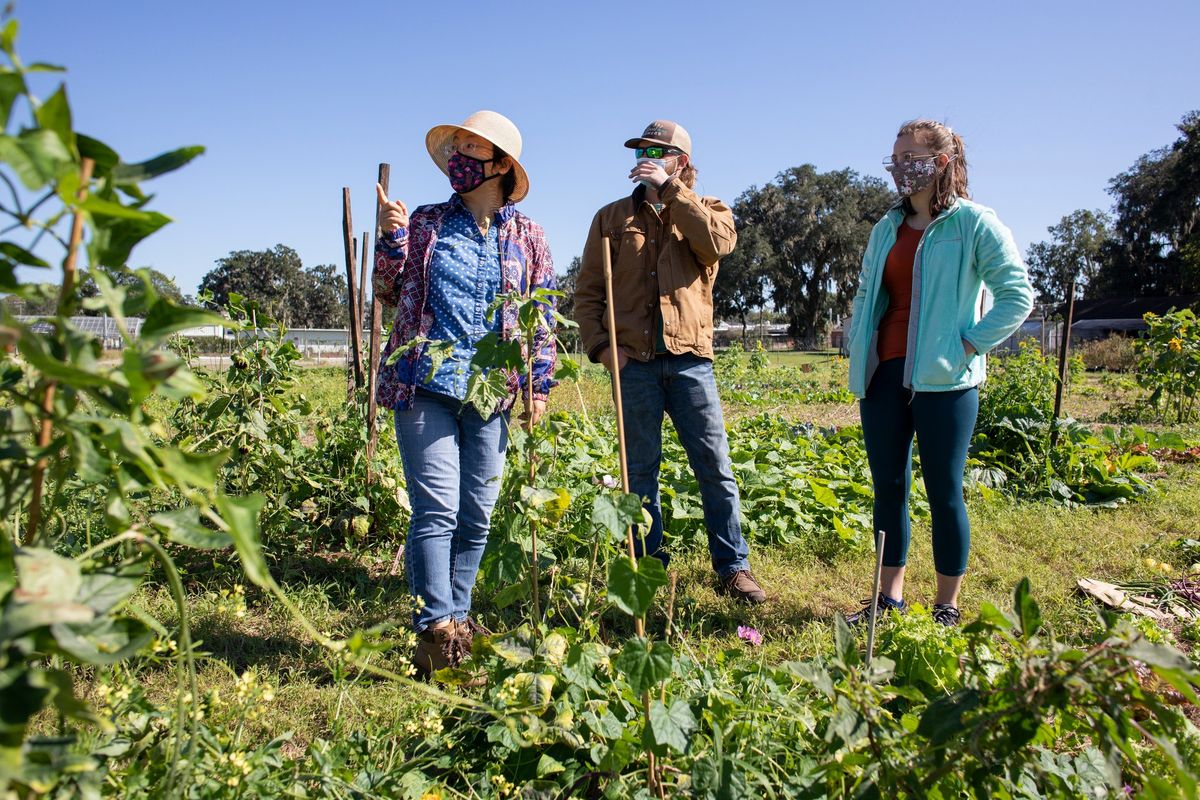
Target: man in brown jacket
666,243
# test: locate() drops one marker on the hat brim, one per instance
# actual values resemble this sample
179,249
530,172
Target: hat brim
639,140
440,136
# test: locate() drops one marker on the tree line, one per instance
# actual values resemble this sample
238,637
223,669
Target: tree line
1148,246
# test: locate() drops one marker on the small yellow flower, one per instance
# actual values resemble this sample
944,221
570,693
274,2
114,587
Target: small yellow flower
1175,344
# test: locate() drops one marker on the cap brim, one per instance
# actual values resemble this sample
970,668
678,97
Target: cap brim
637,142
439,137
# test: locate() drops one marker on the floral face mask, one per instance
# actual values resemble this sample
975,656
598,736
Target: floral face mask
914,175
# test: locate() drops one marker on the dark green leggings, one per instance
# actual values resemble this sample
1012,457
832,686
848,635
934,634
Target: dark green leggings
943,423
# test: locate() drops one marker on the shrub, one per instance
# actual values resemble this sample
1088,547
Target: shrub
1168,365
1114,354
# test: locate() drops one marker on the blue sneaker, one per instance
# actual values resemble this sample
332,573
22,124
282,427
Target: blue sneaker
885,604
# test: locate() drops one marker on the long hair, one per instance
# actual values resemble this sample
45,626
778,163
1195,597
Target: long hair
688,174
508,181
951,182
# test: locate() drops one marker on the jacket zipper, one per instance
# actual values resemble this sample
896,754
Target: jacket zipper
918,270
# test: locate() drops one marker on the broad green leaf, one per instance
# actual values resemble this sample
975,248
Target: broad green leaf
106,588
548,765
672,726
1026,609
159,165
192,469
631,588
45,576
183,526
37,156
12,86
118,229
942,719
21,617
55,115
104,641
513,647
511,593
844,642
166,318
615,516
8,36
105,157
241,515
19,255
644,664
495,352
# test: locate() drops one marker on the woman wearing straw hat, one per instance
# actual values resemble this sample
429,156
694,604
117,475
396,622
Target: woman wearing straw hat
442,269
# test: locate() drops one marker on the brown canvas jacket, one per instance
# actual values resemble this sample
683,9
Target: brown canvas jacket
664,266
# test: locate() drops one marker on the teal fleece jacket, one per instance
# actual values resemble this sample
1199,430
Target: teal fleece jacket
964,249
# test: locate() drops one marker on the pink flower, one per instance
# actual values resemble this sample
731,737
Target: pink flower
750,635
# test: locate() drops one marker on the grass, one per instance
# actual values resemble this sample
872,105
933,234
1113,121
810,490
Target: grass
340,593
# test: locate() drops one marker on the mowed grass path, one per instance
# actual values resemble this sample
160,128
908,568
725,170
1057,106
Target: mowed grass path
1051,545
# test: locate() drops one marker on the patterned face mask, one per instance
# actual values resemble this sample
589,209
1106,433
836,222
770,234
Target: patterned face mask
466,173
914,176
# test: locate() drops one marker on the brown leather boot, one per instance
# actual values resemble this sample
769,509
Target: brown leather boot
742,586
435,647
467,629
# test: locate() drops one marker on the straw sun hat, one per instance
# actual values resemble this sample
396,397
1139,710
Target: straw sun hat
496,128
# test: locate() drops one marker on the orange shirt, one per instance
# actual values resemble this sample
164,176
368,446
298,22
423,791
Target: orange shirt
897,282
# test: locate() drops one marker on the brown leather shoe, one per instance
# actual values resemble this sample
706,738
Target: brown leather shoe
742,586
438,647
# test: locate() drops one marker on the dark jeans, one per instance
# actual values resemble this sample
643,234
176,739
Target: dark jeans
683,386
943,423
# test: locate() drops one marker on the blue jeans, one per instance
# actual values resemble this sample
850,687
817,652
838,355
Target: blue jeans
943,423
684,387
453,462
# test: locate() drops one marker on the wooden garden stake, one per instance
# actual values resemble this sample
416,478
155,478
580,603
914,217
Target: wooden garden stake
352,292
376,326
65,292
1064,347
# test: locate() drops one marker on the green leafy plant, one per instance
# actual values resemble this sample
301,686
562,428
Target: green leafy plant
1168,364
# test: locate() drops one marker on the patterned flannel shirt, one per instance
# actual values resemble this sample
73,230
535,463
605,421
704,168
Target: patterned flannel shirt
401,280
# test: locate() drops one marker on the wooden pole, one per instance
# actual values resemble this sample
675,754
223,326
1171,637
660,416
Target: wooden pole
875,597
65,302
352,292
616,385
376,328
1064,347
364,276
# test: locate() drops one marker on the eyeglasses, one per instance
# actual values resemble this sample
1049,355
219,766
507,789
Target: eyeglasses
476,150
891,163
656,151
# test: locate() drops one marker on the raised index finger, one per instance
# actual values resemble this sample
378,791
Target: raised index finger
383,201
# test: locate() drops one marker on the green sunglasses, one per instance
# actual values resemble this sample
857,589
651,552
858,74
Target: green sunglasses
657,151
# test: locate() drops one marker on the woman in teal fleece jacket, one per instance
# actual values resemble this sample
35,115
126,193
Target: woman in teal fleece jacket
918,341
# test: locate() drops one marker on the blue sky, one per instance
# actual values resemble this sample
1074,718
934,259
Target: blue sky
295,100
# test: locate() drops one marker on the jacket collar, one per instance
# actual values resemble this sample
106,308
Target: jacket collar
896,212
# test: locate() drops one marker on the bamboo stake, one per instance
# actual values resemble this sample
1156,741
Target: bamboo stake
352,292
65,295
